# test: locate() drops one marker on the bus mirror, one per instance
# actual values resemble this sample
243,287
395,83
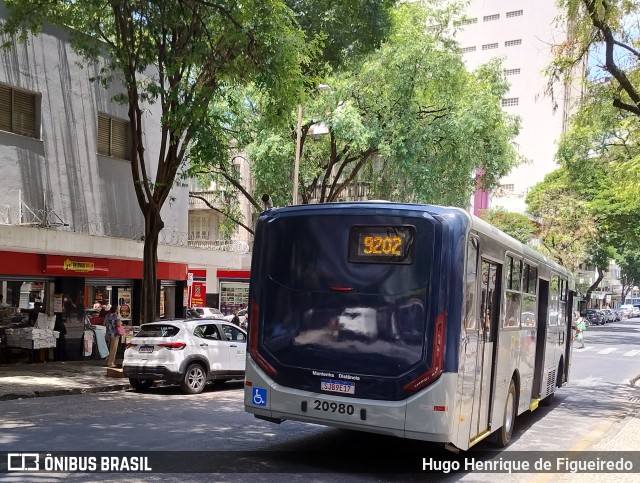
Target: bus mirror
582,306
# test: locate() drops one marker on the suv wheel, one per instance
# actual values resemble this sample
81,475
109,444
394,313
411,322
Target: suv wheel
194,379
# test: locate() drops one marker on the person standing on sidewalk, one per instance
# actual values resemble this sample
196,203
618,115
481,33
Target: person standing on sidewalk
111,322
61,343
580,326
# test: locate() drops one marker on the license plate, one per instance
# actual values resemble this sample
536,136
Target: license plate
342,387
145,348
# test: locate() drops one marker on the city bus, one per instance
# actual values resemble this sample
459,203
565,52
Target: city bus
417,321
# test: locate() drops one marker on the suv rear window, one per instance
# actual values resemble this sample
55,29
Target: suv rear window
158,330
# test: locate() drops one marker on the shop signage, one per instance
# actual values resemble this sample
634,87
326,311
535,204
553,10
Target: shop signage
57,303
197,286
124,303
198,294
80,266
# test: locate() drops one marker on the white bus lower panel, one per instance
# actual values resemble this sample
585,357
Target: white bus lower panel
426,416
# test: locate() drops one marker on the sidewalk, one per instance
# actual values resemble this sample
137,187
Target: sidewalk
58,378
623,435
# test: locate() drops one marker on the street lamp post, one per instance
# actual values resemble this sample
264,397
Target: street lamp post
296,166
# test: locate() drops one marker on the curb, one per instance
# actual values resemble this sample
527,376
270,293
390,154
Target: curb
66,392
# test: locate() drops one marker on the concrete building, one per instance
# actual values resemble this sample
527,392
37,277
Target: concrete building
70,225
522,34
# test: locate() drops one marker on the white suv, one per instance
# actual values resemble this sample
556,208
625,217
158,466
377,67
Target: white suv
188,352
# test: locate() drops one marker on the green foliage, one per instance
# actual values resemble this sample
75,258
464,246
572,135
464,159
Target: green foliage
346,29
180,56
408,120
519,226
568,230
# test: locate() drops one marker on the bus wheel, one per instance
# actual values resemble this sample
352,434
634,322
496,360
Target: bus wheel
509,419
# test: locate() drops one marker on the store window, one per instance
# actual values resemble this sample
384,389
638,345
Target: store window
233,295
21,298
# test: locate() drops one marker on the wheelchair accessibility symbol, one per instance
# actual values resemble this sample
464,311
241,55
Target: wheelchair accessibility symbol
259,396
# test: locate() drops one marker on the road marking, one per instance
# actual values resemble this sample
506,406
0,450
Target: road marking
585,349
608,351
631,353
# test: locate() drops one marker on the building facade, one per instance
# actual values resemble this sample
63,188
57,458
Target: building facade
522,34
71,229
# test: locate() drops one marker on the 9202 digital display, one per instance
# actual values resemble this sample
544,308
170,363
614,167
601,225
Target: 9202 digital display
381,244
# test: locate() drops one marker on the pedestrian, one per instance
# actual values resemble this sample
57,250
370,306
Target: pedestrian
69,307
80,306
61,344
579,326
112,322
235,319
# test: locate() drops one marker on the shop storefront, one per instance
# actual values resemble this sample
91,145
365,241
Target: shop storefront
234,289
68,287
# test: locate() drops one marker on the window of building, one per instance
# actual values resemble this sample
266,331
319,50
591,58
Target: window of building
511,71
113,137
18,111
490,18
466,21
510,101
468,49
514,13
489,46
198,227
511,43
507,187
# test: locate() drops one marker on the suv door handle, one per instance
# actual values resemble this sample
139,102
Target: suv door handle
233,345
204,345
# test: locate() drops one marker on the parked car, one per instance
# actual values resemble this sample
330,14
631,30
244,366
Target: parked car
609,315
208,312
185,352
618,315
594,317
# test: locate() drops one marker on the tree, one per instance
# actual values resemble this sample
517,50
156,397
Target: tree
567,229
613,24
408,119
180,55
347,29
338,33
629,262
519,226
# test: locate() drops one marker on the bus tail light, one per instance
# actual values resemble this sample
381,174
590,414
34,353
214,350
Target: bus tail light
437,357
253,341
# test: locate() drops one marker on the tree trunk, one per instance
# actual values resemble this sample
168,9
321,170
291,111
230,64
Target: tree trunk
594,285
152,227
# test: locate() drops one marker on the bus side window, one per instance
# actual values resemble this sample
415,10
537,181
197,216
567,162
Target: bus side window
471,317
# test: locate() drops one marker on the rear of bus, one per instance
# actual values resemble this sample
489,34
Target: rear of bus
348,319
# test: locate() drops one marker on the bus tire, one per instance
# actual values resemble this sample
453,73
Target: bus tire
509,418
